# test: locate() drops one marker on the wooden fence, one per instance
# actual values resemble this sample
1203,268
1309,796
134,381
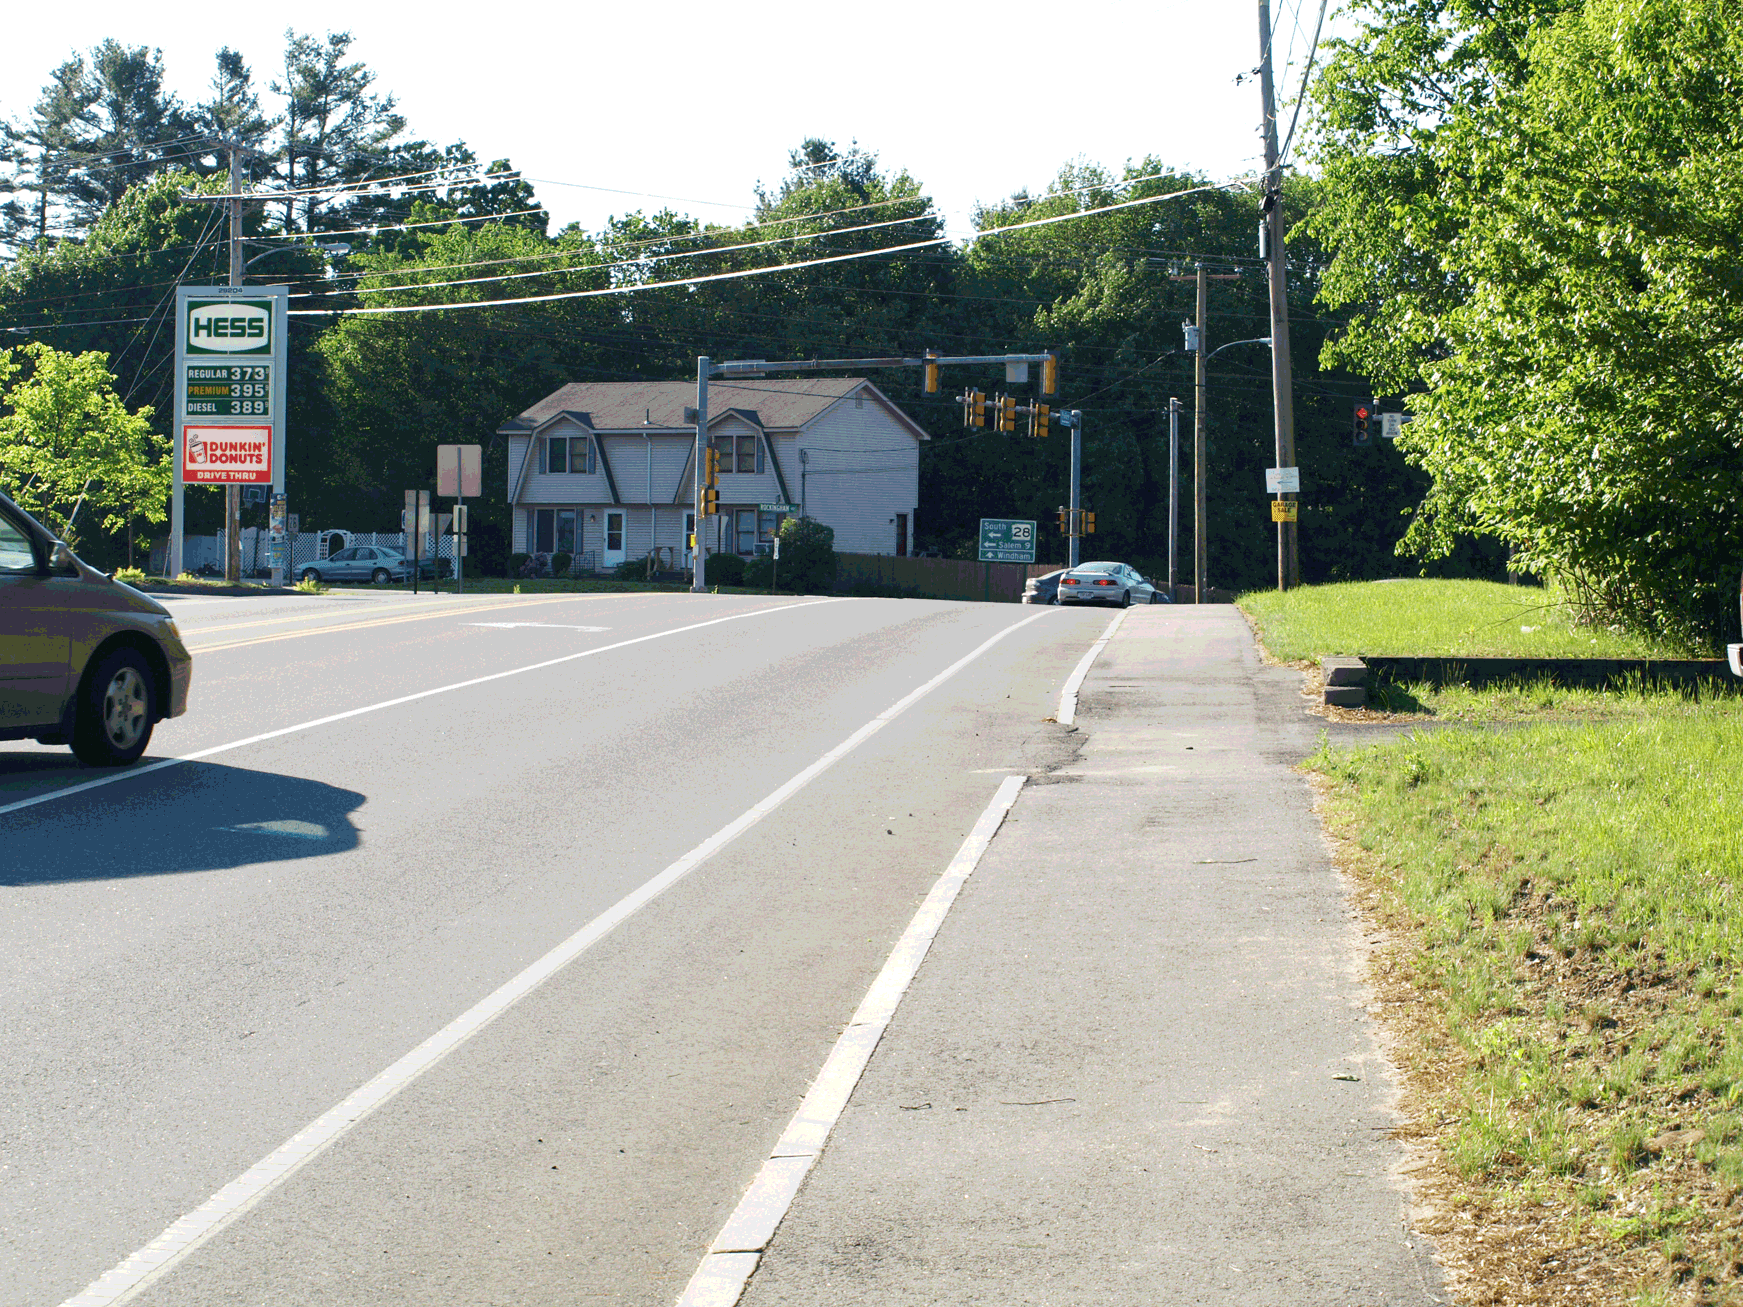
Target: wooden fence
939,578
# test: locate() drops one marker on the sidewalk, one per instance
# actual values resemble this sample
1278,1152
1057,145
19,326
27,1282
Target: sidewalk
1114,1080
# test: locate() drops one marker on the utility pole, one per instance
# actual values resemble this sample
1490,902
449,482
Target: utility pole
1282,384
232,491
1199,417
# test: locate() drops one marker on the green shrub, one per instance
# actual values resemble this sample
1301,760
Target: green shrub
631,569
759,572
723,569
807,555
516,562
130,575
560,564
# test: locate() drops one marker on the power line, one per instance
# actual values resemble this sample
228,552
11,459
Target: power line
764,271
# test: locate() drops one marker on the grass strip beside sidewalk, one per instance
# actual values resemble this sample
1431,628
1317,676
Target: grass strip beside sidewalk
1563,981
1472,619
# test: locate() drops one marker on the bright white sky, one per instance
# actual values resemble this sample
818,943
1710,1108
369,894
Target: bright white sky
975,100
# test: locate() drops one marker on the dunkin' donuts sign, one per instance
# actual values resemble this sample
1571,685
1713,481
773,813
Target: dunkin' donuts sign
215,455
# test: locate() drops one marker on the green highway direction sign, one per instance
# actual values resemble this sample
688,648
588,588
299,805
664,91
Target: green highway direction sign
1006,540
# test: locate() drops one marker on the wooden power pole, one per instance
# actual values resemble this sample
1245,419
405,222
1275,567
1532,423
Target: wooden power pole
1282,383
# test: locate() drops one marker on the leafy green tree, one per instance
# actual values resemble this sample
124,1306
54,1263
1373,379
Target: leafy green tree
70,451
1566,304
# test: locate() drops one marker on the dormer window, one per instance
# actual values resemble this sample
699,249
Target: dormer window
568,454
739,453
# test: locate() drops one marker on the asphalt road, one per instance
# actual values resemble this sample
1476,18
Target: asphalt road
394,806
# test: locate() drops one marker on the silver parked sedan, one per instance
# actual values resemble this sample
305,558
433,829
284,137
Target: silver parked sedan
1108,583
374,563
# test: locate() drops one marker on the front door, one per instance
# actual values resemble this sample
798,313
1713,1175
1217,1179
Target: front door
614,551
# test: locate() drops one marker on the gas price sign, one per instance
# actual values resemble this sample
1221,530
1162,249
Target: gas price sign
229,390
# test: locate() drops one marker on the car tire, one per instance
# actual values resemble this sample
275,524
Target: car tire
380,576
311,575
1125,599
116,711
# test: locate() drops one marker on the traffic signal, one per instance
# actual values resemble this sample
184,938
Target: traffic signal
1089,524
1040,416
973,408
1007,412
1364,422
711,466
1050,375
1064,522
931,372
710,501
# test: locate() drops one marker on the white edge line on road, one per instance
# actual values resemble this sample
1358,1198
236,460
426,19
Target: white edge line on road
1067,714
137,1272
737,1250
130,773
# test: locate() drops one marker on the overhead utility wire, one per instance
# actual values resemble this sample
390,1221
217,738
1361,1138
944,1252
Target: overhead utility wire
932,242
1312,54
621,263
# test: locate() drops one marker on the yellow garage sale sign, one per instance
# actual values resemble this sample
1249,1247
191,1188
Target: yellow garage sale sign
1284,510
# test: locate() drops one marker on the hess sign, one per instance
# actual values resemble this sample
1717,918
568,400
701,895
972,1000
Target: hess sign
230,327
219,455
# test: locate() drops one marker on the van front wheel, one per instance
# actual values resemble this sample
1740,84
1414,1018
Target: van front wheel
116,712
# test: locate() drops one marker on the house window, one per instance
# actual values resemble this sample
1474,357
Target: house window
544,531
746,522
569,454
565,541
739,454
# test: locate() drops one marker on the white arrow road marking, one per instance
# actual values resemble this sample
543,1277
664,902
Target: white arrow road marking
299,830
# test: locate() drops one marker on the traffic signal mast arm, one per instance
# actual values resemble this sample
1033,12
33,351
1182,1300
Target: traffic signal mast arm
931,362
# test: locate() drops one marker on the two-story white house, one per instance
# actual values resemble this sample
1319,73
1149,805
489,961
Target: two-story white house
602,470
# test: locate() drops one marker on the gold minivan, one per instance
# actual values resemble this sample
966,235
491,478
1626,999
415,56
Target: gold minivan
84,659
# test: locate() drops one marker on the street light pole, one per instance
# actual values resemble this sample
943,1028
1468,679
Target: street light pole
1173,489
1074,546
698,573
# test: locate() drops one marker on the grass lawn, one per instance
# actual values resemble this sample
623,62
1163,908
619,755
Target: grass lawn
1477,619
1563,978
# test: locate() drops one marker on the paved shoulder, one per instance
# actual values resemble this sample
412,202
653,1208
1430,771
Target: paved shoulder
1136,1065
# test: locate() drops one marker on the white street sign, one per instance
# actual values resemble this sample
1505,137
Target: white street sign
1391,425
1283,481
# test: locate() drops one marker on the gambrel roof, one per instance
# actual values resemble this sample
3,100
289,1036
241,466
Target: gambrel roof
774,404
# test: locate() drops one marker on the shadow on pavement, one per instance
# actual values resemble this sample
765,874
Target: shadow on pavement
194,817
